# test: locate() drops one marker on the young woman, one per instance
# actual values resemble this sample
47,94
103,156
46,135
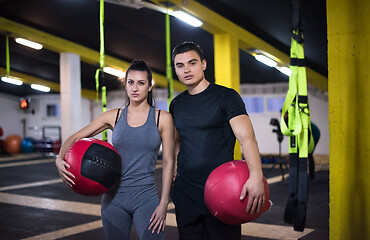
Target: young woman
138,131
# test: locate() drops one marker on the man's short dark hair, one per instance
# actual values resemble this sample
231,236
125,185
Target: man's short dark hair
186,47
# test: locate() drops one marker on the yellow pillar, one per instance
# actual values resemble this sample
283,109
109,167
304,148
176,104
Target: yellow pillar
227,68
349,118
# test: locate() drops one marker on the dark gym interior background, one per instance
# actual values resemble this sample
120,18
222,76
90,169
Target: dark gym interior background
336,45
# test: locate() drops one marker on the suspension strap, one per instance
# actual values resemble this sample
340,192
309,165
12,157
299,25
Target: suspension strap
296,106
7,55
168,60
99,74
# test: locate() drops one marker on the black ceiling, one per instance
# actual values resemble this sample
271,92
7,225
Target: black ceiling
140,33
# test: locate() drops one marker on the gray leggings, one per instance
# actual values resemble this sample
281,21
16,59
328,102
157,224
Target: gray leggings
136,204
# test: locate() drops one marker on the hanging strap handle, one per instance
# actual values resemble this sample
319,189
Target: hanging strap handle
291,106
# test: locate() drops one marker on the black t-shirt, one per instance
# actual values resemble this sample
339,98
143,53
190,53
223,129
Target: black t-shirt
206,137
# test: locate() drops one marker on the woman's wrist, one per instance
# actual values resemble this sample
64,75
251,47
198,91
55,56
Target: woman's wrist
164,202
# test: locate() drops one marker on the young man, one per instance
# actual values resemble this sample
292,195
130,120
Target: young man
208,117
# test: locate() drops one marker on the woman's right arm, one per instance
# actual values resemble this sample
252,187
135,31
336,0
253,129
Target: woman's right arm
102,122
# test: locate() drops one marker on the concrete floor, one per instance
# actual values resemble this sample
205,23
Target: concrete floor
35,204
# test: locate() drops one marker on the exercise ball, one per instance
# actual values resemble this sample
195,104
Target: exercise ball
96,165
2,146
222,193
28,145
13,144
56,146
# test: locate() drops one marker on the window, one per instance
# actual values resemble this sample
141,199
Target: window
162,105
274,104
254,104
52,110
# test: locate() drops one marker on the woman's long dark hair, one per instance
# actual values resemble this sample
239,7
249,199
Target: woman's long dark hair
140,65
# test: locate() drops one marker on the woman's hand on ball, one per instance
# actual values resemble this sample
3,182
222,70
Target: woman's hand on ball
63,172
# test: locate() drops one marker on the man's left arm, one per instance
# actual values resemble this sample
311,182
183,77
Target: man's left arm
254,187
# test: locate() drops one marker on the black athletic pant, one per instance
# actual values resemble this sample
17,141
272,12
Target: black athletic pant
207,227
194,221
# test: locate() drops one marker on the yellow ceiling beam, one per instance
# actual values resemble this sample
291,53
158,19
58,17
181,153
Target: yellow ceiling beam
161,81
216,24
57,44
28,79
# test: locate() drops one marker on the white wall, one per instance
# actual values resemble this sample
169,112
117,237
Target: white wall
39,120
11,116
320,116
115,99
267,140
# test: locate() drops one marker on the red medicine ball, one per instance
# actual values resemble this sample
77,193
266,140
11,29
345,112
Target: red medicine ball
222,193
96,165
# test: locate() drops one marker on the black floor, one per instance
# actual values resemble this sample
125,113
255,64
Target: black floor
20,220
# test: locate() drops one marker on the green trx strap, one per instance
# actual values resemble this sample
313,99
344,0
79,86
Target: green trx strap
99,72
296,106
168,60
7,55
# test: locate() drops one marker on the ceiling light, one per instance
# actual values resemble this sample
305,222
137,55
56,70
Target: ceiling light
40,88
114,72
186,18
12,80
284,70
29,43
265,60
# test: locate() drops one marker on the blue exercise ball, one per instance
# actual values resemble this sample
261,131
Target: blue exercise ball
28,145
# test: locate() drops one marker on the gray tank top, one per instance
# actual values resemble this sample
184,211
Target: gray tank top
138,147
